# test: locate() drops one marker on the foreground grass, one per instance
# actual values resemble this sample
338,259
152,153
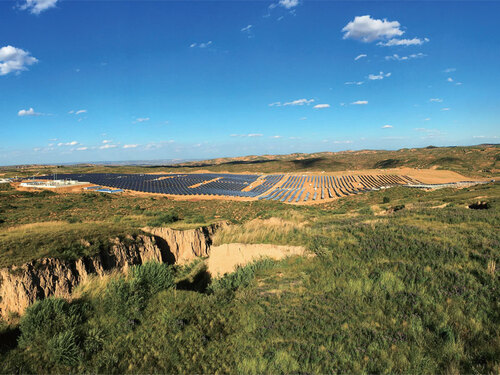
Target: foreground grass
413,290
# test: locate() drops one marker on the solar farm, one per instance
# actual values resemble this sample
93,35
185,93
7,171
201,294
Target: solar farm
287,188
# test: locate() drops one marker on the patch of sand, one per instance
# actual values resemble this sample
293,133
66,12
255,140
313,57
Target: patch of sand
226,258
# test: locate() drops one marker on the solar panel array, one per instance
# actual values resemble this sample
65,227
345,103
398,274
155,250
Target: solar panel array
294,189
322,187
180,184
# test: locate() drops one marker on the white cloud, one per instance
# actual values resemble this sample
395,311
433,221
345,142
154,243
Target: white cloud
80,111
82,148
354,83
38,6
387,127
28,112
142,119
130,146
427,119
72,143
321,106
251,135
458,83
303,118
445,109
381,75
14,59
449,70
292,103
359,57
201,45
104,147
450,79
360,102
404,58
246,28
276,136
288,4
436,100
342,142
403,42
299,102
368,29
106,141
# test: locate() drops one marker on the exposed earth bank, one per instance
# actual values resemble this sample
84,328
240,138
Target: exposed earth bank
21,286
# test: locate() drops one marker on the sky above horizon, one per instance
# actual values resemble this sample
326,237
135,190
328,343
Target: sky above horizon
84,81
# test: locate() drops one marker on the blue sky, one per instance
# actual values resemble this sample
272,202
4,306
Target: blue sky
131,80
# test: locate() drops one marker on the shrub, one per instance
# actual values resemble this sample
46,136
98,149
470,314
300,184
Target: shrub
386,200
242,277
63,348
163,219
154,277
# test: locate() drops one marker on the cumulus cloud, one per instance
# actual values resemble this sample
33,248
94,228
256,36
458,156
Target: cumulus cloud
387,127
359,57
130,146
368,29
404,58
354,83
403,42
38,6
82,148
381,75
15,60
450,79
320,106
106,141
288,4
28,112
360,102
436,100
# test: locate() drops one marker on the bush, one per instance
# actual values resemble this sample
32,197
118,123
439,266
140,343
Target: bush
163,219
154,277
386,200
242,277
127,298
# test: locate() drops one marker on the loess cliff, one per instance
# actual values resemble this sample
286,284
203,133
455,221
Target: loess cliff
21,286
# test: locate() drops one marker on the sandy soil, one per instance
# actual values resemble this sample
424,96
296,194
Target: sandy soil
226,258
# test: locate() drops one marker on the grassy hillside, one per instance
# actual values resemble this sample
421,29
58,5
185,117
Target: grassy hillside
401,281
482,160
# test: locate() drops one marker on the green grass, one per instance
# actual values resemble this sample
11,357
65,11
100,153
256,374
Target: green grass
409,291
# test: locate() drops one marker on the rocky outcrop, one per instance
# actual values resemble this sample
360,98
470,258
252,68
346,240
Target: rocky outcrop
188,244
21,286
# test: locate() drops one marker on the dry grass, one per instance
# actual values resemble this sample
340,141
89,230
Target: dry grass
272,230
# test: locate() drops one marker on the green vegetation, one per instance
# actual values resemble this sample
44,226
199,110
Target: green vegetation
407,284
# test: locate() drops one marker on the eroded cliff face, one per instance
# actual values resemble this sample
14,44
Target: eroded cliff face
21,286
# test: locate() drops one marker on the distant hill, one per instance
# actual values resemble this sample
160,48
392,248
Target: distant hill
481,160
